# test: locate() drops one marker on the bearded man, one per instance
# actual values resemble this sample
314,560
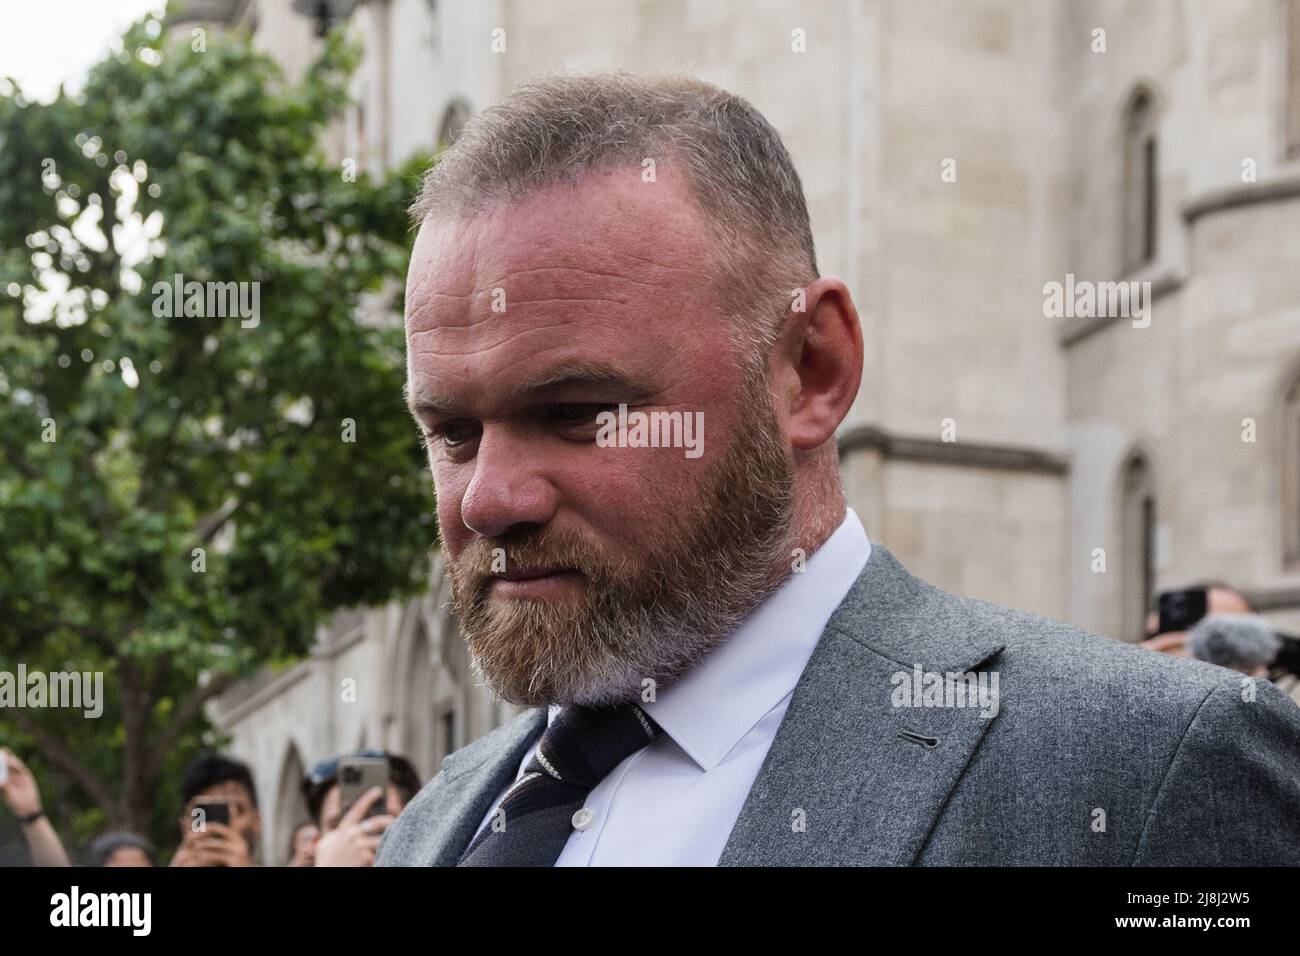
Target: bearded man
719,666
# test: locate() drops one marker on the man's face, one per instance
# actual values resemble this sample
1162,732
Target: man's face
581,571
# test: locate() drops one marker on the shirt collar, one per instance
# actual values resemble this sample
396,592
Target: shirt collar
717,703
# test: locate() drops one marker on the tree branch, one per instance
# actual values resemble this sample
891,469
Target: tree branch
211,524
59,755
183,716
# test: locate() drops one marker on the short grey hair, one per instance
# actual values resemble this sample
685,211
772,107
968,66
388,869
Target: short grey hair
554,129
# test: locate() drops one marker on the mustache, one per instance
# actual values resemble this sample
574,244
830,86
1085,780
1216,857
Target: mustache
527,551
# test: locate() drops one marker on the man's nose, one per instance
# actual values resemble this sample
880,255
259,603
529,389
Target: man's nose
508,487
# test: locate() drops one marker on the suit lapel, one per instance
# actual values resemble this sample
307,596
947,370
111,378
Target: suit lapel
851,778
472,781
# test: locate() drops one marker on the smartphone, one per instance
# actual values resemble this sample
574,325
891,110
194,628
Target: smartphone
359,774
1180,610
214,811
4,768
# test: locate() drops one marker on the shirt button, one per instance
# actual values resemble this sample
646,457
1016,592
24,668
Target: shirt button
582,819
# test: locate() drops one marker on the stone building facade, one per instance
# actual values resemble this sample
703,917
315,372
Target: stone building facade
958,157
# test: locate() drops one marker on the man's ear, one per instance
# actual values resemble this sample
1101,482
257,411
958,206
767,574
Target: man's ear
821,356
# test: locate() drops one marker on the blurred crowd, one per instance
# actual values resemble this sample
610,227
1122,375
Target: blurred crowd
1216,623
352,799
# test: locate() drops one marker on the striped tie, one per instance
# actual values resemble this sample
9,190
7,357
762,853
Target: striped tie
535,818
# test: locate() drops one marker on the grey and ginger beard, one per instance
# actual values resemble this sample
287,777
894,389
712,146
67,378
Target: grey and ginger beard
648,617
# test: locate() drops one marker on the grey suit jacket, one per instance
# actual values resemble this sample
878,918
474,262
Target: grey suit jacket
1100,754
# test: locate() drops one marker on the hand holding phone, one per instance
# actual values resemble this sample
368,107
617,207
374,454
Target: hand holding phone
355,841
358,775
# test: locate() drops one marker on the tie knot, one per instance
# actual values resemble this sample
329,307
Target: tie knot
583,744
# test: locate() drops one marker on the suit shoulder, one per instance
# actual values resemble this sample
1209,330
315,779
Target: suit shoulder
1131,689
1043,664
1038,644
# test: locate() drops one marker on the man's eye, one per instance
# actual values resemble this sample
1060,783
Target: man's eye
577,415
452,434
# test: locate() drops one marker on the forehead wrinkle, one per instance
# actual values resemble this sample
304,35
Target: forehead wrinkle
415,314
490,289
424,318
544,284
451,329
618,276
621,300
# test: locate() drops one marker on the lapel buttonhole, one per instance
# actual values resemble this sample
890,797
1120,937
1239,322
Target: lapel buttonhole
913,737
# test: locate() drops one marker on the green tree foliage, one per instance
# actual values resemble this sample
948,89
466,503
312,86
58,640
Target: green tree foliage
130,437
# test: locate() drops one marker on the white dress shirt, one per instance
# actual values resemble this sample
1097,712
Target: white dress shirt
675,801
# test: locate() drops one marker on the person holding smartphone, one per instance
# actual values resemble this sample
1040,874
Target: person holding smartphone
23,798
1176,612
220,825
354,798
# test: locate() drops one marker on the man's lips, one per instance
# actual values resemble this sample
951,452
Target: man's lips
534,582
518,575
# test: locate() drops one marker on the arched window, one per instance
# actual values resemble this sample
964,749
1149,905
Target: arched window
1138,543
1140,181
414,684
1289,434
290,809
